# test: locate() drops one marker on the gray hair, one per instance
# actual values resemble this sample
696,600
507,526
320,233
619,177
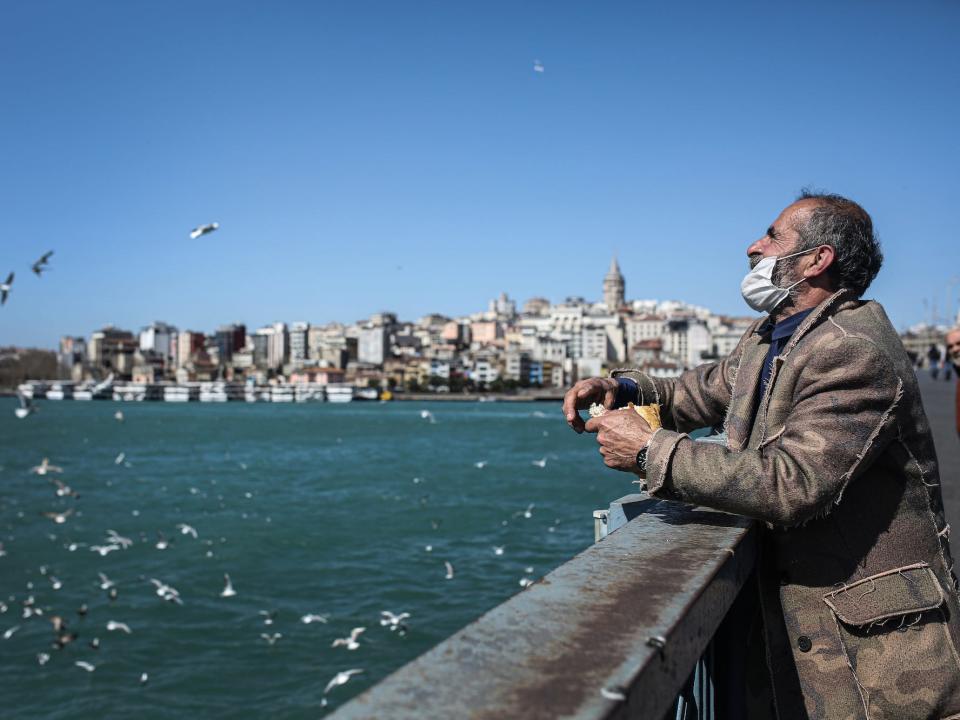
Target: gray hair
847,228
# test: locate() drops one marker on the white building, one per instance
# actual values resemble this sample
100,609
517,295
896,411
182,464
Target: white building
158,338
373,344
687,339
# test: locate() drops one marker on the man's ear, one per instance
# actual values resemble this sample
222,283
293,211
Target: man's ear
821,261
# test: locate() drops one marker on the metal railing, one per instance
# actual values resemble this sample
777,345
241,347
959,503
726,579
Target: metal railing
626,629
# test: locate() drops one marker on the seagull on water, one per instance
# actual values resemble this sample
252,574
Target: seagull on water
45,467
114,625
340,679
350,642
449,567
498,549
542,462
525,582
187,530
427,415
162,542
118,416
84,665
228,590
203,230
312,618
480,464
5,288
43,658
120,458
395,622
144,678
59,518
40,265
271,639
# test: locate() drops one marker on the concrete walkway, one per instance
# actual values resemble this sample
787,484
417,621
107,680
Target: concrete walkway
938,401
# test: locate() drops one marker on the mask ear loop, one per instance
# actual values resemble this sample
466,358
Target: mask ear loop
802,252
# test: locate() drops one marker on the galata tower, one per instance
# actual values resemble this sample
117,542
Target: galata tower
613,287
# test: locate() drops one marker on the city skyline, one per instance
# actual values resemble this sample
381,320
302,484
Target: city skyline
418,161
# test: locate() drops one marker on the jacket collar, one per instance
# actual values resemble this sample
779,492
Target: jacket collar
740,413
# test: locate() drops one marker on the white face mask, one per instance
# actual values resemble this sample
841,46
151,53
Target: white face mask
758,288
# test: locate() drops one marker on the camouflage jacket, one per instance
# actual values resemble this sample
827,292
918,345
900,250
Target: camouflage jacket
859,602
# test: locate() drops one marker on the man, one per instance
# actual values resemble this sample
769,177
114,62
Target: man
827,444
953,356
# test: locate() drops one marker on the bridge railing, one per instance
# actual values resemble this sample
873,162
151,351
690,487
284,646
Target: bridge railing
626,629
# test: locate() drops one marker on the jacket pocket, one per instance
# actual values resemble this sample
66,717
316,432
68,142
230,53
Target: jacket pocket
893,629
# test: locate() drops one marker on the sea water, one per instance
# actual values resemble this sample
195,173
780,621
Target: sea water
311,509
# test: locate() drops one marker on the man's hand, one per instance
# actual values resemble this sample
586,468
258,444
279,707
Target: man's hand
584,394
621,435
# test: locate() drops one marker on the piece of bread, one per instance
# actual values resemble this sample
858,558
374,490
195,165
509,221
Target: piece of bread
650,413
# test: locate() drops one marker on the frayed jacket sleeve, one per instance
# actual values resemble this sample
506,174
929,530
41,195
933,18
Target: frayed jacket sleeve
844,412
698,398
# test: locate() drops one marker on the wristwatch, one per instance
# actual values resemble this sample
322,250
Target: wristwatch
642,458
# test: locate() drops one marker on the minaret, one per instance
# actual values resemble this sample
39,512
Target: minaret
613,287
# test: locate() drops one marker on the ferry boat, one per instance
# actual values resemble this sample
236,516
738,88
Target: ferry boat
33,389
366,394
181,393
60,391
281,393
213,392
308,392
136,392
339,393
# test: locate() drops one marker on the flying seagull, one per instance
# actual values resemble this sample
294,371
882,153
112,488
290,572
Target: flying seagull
45,467
228,590
449,567
542,462
272,638
187,530
26,406
59,518
40,265
5,288
312,618
349,642
63,489
395,622
84,665
340,679
114,625
203,230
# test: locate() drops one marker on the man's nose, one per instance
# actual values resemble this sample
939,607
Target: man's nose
756,248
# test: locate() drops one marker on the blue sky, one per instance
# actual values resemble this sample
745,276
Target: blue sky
405,156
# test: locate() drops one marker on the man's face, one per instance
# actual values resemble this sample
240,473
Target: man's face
780,239
953,346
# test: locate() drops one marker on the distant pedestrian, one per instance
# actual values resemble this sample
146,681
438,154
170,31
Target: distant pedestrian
953,357
933,357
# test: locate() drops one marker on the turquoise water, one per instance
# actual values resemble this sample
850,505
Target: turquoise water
309,508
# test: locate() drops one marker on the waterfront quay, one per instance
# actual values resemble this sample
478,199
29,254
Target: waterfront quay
248,392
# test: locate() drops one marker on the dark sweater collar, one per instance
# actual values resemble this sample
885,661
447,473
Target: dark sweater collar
785,328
